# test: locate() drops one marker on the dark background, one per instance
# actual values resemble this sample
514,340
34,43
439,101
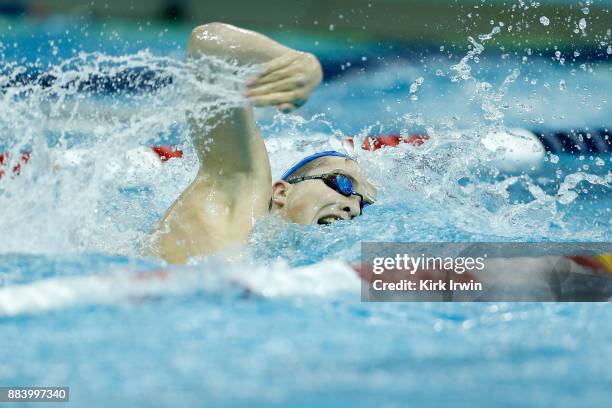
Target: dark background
420,23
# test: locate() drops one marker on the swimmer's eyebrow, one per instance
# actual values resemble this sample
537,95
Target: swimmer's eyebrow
339,171
344,173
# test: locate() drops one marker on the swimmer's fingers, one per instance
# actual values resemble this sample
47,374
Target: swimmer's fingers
287,81
304,68
272,77
278,63
279,98
285,84
273,70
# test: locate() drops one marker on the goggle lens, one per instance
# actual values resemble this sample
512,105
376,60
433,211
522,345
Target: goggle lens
344,186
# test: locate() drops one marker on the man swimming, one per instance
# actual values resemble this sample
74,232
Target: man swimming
233,187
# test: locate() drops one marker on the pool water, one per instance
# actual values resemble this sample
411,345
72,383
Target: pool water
280,321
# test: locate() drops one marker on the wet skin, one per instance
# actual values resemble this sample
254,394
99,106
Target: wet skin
233,187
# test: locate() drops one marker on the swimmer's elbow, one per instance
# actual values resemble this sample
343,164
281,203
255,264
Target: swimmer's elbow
211,28
208,37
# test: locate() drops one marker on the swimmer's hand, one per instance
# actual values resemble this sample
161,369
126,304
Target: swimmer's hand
286,81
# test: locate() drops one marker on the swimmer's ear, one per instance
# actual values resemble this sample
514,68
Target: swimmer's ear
280,190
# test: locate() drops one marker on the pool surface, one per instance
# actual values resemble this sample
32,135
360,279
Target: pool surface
280,322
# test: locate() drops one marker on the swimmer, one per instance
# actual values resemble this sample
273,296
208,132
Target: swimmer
233,187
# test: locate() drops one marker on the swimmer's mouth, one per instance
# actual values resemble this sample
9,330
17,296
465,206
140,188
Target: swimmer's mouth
328,219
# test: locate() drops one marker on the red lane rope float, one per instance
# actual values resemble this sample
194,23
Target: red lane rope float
4,157
372,143
166,153
599,263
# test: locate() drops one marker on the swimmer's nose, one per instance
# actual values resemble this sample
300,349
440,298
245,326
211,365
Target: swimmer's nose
351,206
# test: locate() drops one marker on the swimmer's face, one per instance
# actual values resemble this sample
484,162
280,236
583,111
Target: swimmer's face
314,202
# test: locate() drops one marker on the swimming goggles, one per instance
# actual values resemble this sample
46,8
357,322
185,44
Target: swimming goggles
339,183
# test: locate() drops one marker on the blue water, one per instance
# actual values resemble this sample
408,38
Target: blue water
285,341
228,351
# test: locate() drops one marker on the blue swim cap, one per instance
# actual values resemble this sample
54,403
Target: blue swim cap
310,158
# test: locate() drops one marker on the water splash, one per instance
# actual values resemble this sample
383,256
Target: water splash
85,121
90,186
124,285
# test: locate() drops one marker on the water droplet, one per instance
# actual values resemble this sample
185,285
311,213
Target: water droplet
585,10
558,54
544,20
484,37
331,27
554,158
609,50
415,85
562,85
582,23
599,162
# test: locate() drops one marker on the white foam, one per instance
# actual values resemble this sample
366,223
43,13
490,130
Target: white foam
324,279
518,150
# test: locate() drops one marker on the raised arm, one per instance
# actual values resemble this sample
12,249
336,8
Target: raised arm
233,185
288,76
